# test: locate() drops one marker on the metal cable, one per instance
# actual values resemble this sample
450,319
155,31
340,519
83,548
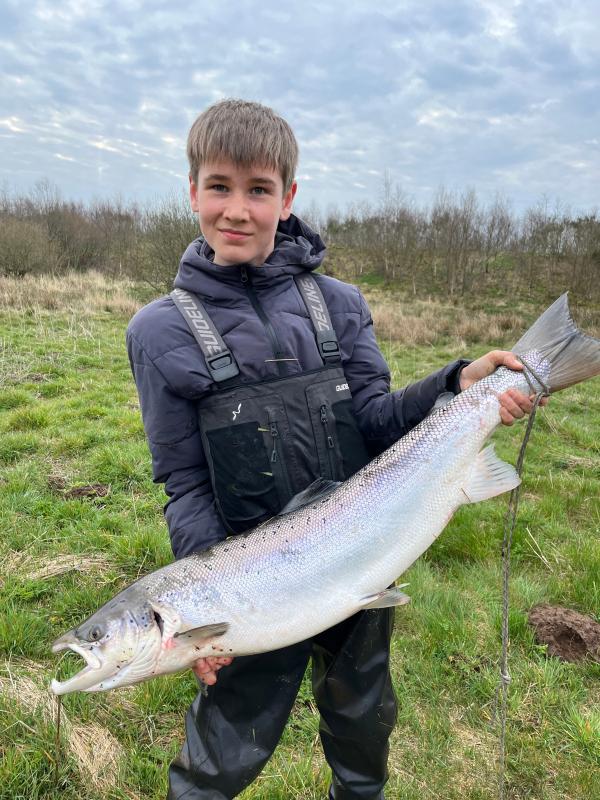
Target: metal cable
57,739
509,528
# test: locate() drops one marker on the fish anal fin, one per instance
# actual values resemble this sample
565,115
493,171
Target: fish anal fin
489,476
387,598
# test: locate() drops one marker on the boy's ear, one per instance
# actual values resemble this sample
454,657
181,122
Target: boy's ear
288,199
193,195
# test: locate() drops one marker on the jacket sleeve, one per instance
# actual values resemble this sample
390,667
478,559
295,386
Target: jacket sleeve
178,458
383,416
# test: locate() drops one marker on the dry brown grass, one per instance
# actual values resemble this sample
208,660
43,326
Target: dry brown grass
412,322
34,568
431,322
97,753
87,293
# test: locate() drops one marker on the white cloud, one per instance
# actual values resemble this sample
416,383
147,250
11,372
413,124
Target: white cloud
103,144
437,117
496,95
13,124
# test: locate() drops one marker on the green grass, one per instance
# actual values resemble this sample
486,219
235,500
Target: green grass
68,412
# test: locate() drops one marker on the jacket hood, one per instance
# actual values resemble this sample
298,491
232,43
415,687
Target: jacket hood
297,249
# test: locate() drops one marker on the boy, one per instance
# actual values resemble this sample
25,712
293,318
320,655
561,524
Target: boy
297,356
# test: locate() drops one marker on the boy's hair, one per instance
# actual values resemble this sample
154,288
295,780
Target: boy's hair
245,133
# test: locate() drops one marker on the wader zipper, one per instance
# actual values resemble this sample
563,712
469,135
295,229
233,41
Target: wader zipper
280,475
275,347
275,435
328,441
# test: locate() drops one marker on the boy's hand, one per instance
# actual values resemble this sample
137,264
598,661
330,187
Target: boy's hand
206,668
513,404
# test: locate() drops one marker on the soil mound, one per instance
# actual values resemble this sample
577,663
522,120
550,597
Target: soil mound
569,635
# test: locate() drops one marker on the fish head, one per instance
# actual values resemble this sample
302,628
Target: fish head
120,643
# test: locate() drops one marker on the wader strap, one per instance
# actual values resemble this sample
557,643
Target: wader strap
319,315
219,359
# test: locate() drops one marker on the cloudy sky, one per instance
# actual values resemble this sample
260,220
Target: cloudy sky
98,96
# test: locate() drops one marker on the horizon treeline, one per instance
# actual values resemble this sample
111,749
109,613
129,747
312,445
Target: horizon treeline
456,246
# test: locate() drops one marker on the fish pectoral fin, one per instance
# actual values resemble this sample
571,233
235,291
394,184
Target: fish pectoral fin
387,598
204,632
317,490
489,476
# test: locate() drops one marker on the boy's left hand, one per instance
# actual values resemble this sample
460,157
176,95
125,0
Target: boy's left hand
513,404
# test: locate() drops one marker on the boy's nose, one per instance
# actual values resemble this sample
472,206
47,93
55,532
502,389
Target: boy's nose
236,209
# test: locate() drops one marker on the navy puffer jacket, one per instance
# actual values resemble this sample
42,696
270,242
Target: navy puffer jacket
170,371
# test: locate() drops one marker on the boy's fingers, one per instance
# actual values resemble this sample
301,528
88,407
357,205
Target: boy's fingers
506,417
509,360
206,668
205,674
522,400
216,662
511,406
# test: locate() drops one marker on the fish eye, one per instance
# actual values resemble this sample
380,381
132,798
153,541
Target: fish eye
95,633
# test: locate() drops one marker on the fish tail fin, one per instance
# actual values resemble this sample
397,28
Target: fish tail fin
573,355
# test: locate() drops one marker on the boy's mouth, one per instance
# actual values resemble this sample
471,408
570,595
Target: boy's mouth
234,235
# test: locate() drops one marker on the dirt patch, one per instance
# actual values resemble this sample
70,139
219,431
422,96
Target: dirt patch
90,490
569,635
58,483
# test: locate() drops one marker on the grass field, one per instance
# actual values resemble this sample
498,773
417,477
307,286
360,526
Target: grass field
81,518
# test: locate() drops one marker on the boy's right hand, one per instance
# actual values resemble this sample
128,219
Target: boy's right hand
206,668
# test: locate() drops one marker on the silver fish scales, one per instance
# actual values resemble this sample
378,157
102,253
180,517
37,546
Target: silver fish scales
338,547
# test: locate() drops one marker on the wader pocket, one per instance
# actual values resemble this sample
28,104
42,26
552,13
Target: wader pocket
352,446
246,445
340,446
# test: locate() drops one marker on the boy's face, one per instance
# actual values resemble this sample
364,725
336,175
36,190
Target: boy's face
238,209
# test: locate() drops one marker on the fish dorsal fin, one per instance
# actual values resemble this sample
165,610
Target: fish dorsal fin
317,490
489,477
387,598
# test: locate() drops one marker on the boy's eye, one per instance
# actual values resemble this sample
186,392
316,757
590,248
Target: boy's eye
259,190
219,187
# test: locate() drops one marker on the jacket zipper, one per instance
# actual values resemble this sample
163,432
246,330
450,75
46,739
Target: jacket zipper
328,440
275,346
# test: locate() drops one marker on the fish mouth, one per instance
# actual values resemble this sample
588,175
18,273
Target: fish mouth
86,677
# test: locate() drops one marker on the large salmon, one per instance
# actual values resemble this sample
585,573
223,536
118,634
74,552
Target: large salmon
336,548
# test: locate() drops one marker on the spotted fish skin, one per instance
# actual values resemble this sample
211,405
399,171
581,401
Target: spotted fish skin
302,572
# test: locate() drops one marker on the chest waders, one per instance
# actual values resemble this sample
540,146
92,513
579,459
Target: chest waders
268,440
265,442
